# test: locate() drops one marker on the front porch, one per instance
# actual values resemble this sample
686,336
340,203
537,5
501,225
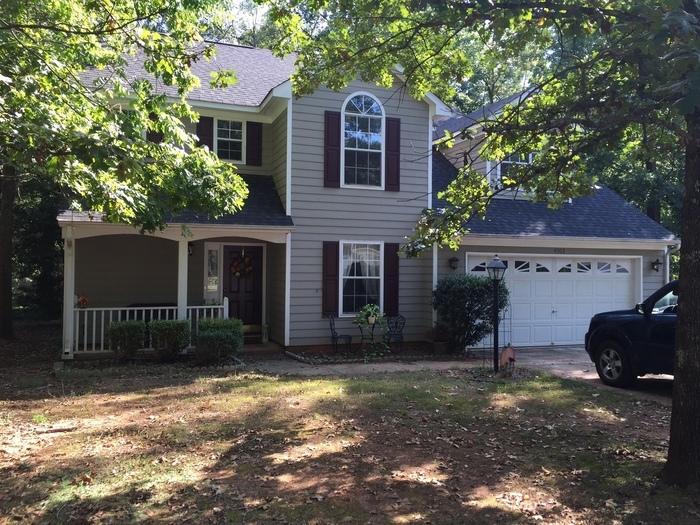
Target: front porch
112,273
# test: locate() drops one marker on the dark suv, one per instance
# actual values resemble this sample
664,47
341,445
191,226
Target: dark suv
630,343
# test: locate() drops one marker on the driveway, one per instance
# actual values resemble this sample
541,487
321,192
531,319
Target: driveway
570,362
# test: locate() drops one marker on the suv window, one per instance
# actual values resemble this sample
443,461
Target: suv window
666,305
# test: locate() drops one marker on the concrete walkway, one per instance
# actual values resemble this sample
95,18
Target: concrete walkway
565,361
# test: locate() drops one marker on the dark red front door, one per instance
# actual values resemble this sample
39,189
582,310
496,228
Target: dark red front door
243,267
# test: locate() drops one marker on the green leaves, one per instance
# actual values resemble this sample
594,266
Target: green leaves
91,138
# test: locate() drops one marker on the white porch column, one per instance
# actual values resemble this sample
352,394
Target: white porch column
182,279
68,292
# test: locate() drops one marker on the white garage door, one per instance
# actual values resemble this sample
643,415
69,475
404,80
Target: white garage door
552,299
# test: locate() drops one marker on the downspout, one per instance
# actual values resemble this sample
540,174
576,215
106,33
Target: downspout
667,260
435,279
288,236
287,287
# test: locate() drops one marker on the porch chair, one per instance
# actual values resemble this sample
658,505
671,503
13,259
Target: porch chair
335,336
394,332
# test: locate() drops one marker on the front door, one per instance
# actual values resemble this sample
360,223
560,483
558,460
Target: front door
243,266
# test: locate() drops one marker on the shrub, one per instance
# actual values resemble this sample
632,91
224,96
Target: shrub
169,337
465,304
126,337
218,338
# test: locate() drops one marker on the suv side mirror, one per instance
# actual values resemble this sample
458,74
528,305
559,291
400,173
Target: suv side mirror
640,308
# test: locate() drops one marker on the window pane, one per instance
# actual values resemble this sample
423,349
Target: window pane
229,139
361,276
363,141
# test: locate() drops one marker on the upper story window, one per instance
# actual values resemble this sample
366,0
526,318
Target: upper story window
363,139
513,160
229,139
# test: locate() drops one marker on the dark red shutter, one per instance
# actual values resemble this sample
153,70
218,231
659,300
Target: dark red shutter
253,145
205,132
391,278
332,142
392,159
331,267
154,136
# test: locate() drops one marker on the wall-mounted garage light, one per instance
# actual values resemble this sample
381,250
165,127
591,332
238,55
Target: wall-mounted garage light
453,262
190,248
656,265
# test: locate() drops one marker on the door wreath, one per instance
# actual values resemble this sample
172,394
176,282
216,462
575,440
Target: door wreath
241,267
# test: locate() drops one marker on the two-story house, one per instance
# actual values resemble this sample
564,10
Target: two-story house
337,180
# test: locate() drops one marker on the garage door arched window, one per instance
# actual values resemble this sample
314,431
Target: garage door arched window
363,142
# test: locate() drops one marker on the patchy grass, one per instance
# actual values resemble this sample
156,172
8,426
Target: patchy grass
458,446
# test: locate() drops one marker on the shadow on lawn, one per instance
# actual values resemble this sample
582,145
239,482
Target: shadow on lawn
395,448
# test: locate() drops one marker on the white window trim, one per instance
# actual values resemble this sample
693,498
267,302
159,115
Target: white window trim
498,167
342,144
244,126
342,243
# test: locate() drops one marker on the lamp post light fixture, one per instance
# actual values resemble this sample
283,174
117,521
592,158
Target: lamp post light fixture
496,270
453,262
656,265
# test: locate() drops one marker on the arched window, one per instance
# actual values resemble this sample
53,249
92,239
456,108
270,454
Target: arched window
363,139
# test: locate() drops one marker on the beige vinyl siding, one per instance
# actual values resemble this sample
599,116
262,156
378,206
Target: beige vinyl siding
277,155
350,214
470,149
143,269
195,274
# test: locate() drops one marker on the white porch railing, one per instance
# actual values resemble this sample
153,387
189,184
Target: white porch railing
91,324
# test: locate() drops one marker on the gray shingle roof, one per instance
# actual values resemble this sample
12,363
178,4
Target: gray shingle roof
458,121
263,207
603,215
258,72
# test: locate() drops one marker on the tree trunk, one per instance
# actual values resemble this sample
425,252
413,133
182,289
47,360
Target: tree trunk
683,463
8,190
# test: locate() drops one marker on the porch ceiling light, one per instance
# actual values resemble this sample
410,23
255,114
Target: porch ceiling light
190,248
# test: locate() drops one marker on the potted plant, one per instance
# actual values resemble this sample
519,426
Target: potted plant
368,314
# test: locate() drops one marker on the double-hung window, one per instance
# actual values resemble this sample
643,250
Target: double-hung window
229,140
513,160
363,134
361,266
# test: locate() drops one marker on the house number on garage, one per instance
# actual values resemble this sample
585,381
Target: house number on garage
559,250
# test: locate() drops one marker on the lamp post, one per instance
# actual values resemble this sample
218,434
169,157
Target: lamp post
496,270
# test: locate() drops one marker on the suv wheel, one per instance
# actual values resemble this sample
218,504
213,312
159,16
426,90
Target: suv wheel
613,365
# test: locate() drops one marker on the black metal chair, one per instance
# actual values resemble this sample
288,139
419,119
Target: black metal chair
335,337
394,332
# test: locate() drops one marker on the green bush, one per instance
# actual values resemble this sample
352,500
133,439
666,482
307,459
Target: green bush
126,337
169,337
219,323
217,339
464,303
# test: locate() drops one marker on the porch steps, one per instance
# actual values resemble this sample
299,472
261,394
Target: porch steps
256,349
